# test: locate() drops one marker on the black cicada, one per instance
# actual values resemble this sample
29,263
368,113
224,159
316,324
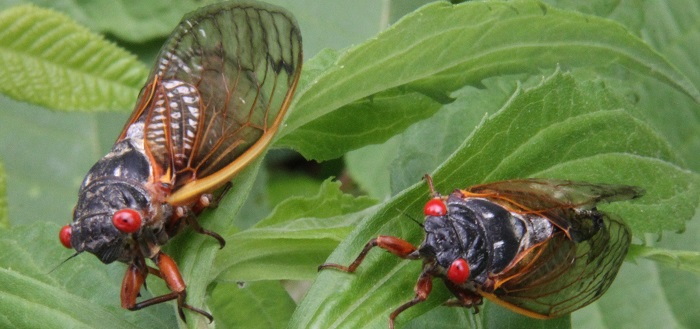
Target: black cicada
218,93
536,246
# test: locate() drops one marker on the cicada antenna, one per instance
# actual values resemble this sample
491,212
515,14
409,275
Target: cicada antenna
429,180
64,261
409,217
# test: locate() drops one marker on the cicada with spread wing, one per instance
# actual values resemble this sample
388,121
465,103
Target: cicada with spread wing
218,93
539,247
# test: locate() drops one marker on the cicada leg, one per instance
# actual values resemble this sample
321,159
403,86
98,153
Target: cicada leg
422,289
189,215
394,245
136,275
463,297
194,224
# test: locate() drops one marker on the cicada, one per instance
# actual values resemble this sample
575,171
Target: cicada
219,91
538,247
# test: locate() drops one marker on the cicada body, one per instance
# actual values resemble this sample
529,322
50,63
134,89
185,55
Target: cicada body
218,93
538,247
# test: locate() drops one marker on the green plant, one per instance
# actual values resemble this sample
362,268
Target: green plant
601,92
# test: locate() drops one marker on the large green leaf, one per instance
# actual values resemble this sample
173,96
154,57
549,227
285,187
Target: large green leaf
495,151
4,219
142,25
670,27
81,293
49,60
386,169
449,47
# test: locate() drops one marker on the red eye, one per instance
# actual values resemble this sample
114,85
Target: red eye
127,220
64,236
435,207
458,272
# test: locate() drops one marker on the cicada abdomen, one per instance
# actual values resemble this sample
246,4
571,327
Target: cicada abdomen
218,93
536,246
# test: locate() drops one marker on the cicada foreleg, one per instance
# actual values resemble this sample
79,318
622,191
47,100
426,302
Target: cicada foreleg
394,245
167,270
422,289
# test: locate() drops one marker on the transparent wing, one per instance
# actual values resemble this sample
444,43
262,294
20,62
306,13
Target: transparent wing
554,200
559,275
219,91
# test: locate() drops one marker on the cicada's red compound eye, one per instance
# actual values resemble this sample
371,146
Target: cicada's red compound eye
458,272
127,220
435,207
64,236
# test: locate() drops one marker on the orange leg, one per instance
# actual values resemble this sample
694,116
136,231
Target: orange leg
423,288
394,245
136,275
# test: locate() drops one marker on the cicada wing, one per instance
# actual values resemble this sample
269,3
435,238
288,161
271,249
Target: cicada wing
221,86
559,275
555,199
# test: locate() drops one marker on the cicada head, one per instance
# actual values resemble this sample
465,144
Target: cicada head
444,240
108,219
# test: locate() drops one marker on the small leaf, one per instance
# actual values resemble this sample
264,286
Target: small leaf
251,305
675,283
680,259
330,201
294,239
48,59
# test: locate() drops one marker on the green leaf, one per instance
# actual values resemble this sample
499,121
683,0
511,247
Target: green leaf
4,219
453,46
493,152
672,31
135,21
251,305
385,169
636,298
402,108
48,156
290,243
675,292
371,166
680,259
48,59
81,293
499,317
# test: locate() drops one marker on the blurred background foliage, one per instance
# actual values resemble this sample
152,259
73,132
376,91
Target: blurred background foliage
443,89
